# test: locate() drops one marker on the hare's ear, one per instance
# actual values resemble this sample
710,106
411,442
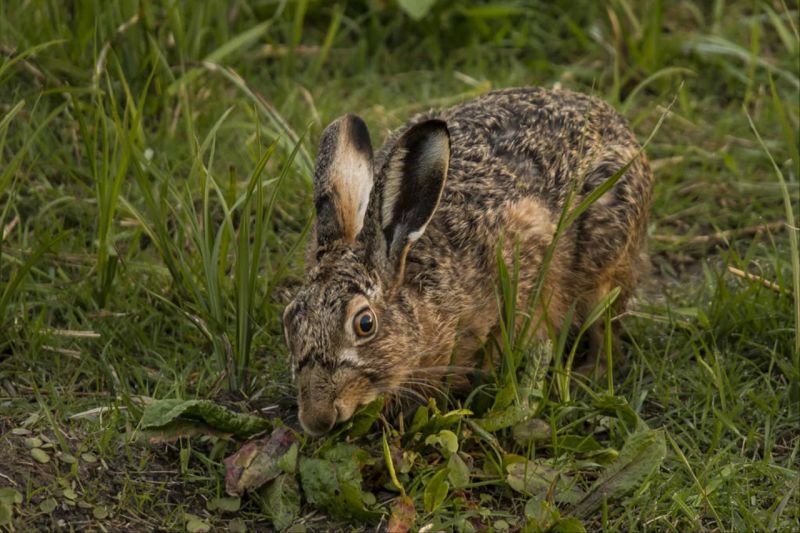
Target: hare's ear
342,180
413,180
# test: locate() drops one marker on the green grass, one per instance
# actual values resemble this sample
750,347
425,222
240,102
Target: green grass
155,194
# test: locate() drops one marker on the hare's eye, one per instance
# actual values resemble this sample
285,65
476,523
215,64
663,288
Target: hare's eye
364,323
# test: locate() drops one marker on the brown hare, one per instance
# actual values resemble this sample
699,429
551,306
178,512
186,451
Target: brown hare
401,267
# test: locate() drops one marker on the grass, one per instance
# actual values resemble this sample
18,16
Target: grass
155,165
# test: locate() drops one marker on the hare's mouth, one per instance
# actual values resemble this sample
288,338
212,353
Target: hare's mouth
324,400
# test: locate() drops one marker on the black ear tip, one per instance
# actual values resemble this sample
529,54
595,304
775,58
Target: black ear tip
357,133
432,127
425,133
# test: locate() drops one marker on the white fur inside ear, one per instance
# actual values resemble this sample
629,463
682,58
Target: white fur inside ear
391,188
353,179
428,156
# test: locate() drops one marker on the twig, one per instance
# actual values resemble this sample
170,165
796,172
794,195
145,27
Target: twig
752,277
720,236
75,354
80,334
10,227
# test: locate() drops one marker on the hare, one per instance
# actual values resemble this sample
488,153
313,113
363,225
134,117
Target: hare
401,267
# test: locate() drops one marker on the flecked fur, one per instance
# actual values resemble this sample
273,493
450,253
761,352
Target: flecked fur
513,157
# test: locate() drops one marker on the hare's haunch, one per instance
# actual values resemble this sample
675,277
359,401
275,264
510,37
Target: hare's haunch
402,264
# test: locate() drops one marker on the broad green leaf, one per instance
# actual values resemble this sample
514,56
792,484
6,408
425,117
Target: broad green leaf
281,501
642,454
416,9
365,417
568,524
619,407
458,471
226,505
421,417
533,430
437,421
48,506
538,479
195,524
436,490
333,483
6,513
161,413
445,440
10,496
40,455
497,420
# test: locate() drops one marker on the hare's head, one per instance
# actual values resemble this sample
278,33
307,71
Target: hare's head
350,330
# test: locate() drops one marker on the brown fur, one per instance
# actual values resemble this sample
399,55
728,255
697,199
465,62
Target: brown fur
448,187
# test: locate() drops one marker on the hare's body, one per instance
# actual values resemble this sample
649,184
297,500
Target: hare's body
406,248
515,155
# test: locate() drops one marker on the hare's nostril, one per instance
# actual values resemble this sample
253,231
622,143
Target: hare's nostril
318,422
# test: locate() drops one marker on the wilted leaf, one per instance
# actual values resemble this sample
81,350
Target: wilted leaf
403,515
436,490
281,501
161,413
642,453
416,8
259,461
333,483
538,479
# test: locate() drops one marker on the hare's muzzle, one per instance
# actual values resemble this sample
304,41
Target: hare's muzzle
325,398
318,421
315,400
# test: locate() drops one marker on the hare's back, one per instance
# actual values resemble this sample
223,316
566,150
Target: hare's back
536,145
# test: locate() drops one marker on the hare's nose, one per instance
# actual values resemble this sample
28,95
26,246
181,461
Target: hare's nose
318,420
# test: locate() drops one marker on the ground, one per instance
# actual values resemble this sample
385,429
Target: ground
155,193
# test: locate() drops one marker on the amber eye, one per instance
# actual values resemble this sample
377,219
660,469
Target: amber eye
364,323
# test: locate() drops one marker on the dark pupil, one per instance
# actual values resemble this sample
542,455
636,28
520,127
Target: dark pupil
365,323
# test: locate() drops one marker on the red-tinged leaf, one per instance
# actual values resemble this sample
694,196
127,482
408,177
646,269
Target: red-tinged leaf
403,515
258,462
